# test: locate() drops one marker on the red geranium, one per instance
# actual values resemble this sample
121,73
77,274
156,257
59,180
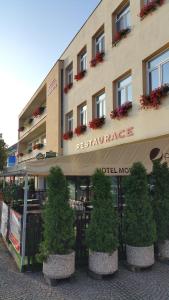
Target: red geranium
149,7
119,35
38,111
80,129
67,87
97,123
80,75
68,135
21,128
97,59
121,111
154,99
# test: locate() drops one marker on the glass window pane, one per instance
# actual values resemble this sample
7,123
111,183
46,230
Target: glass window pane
165,73
121,97
159,59
129,93
153,80
97,110
124,82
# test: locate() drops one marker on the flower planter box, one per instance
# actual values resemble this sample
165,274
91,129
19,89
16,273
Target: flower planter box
22,128
68,135
97,123
67,87
80,129
154,99
121,111
97,59
150,7
80,75
38,146
103,263
38,111
120,35
140,256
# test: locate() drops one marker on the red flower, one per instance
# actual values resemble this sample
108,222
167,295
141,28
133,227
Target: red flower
68,87
97,123
154,99
97,59
80,75
38,146
121,111
148,8
20,154
80,129
119,35
21,128
68,135
38,111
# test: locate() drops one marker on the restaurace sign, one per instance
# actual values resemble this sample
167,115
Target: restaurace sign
105,139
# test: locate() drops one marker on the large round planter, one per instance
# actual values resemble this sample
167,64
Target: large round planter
163,249
103,263
59,266
140,256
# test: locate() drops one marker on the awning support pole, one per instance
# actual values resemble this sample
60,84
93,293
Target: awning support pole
24,221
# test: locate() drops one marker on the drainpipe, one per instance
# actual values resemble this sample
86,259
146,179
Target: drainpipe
24,222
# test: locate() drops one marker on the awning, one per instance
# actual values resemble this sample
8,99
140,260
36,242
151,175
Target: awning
113,161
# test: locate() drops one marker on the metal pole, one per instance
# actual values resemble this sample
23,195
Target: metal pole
24,221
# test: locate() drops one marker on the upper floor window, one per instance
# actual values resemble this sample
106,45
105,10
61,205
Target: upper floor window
100,105
99,41
123,19
82,57
83,114
69,74
158,71
69,121
124,90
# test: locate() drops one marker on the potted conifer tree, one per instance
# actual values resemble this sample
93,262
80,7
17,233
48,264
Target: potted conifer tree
102,232
56,248
140,229
160,177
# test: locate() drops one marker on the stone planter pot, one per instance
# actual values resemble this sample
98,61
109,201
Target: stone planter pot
140,256
103,263
163,249
59,266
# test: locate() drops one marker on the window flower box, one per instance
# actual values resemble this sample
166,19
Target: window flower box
97,59
38,111
30,121
121,111
97,123
119,35
67,87
68,135
38,146
80,129
22,128
154,99
150,7
80,75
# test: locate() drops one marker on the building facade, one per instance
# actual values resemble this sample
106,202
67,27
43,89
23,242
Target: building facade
108,89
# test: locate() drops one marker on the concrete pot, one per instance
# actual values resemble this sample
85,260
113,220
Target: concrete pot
163,249
103,263
59,266
140,256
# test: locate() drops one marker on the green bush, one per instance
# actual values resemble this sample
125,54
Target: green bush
102,233
160,176
140,229
58,217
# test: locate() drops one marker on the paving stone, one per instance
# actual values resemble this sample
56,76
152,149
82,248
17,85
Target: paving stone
150,284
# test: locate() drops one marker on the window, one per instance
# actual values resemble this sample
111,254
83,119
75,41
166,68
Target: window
69,121
69,74
124,90
100,105
83,114
100,43
83,60
123,19
158,71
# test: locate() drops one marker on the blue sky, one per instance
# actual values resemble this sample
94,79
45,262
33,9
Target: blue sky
33,34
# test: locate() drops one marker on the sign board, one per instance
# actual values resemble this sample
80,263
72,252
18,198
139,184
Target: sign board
15,229
50,154
11,160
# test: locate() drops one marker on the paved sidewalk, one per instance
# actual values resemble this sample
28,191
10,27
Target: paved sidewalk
148,285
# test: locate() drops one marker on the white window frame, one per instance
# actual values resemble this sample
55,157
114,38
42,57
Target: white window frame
83,113
159,67
125,88
122,16
69,74
69,121
83,61
100,43
102,104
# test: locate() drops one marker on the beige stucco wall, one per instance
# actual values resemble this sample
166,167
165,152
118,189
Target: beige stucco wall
144,40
